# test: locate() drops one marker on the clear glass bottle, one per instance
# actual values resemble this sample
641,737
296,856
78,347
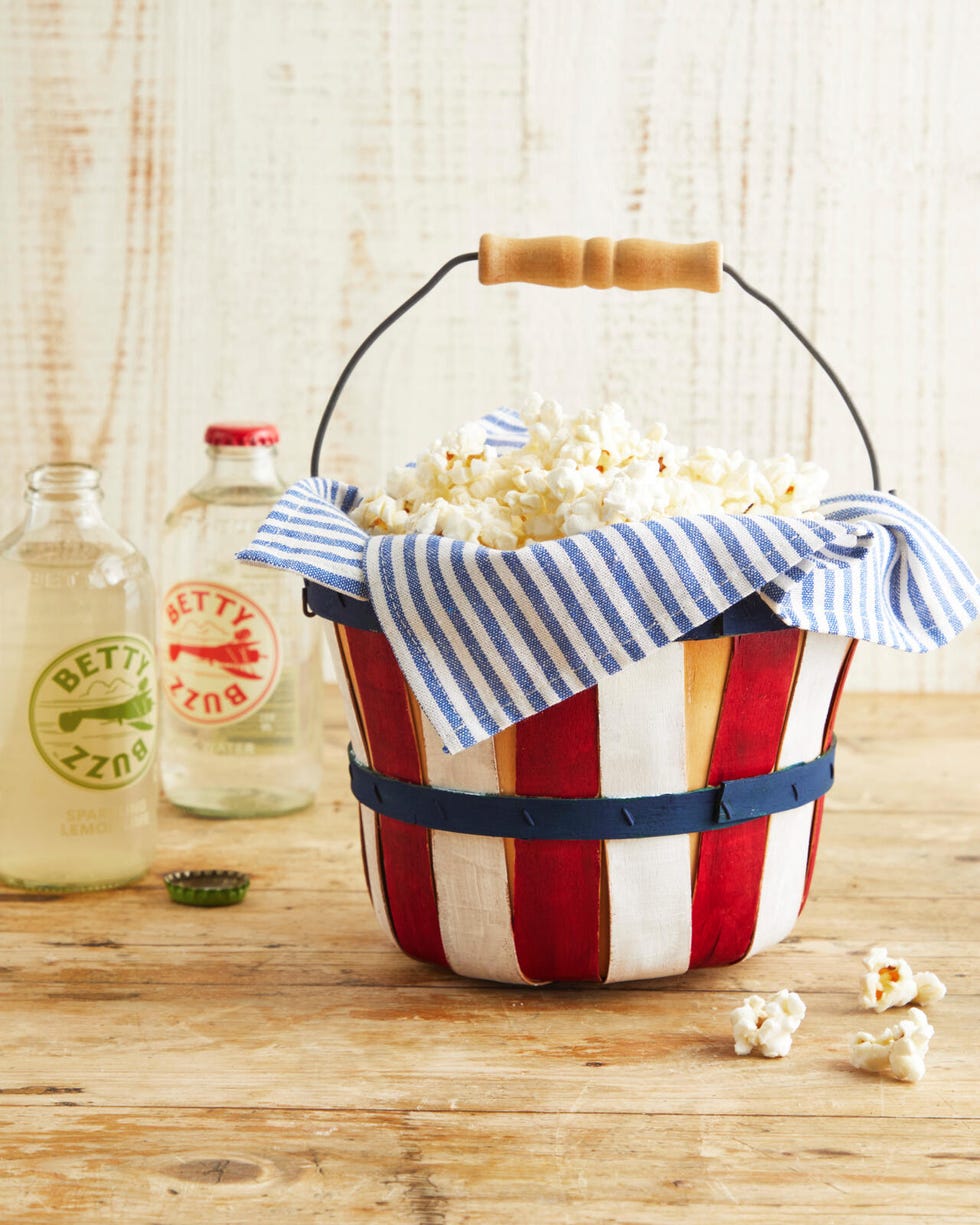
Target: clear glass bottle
78,712
240,664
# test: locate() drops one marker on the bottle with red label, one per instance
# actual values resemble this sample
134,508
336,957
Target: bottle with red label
239,662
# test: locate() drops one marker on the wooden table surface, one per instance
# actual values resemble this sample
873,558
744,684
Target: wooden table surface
278,1061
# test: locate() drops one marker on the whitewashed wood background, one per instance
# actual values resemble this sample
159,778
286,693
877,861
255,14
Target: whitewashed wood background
206,204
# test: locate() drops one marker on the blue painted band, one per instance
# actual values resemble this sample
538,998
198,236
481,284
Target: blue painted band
542,817
749,616
321,601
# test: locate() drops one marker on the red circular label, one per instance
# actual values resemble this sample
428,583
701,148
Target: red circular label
220,654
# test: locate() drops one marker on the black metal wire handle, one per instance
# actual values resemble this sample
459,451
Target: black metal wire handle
471,256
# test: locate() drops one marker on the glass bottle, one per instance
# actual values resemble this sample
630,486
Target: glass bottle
240,663
78,713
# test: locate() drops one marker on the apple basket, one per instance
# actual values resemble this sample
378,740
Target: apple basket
662,819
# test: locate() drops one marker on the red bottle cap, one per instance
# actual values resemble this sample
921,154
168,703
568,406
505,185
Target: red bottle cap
241,434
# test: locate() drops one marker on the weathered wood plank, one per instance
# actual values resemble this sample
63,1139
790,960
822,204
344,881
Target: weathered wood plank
308,1166
816,966
88,225
494,1048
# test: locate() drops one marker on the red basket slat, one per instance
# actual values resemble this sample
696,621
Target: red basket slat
557,884
729,868
394,750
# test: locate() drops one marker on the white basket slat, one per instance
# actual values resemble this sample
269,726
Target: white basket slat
642,751
788,841
470,870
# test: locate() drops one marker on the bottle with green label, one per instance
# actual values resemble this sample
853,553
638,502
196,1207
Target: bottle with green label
78,711
240,665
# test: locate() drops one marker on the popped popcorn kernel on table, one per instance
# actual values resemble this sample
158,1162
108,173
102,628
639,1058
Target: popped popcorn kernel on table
901,1049
890,983
577,472
767,1026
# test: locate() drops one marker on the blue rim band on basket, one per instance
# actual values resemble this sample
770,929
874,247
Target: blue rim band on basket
546,818
749,616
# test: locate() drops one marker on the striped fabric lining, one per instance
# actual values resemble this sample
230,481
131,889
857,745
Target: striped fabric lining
487,638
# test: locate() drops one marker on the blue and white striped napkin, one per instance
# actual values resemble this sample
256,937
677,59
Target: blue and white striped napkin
487,637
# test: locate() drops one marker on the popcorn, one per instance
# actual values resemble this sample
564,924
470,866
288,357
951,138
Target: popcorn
900,1049
767,1025
574,474
890,983
929,990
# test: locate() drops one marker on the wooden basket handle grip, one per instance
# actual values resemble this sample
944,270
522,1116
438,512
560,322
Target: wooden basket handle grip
631,263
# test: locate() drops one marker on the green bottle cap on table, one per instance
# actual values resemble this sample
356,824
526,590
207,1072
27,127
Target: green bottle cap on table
210,888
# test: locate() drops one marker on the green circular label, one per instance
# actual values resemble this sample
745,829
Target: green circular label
92,712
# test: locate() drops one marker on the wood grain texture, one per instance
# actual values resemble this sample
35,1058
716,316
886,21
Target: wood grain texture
566,262
279,1060
424,1166
87,225
206,205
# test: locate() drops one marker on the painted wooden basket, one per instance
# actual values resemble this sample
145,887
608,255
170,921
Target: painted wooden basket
665,819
